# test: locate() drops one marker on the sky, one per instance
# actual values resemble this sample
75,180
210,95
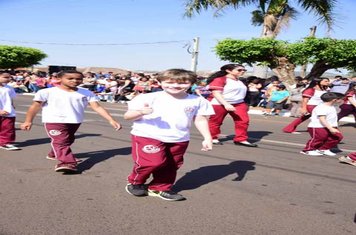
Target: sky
144,34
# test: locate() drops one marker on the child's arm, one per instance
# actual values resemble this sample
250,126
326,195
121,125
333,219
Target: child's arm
30,115
105,114
323,121
201,123
220,98
137,114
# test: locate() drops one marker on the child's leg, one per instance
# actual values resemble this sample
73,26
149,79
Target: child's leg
331,141
7,130
164,177
62,137
318,137
148,155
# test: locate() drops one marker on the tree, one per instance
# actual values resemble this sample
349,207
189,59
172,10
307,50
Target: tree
12,57
273,15
282,57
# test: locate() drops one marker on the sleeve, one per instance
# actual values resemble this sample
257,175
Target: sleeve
92,97
308,93
12,92
42,95
205,108
217,84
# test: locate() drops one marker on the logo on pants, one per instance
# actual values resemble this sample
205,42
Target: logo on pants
54,132
150,149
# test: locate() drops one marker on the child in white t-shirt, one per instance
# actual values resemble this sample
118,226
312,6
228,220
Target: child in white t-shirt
323,127
160,133
62,113
7,113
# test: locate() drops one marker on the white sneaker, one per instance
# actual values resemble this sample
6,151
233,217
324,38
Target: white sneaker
327,152
9,147
216,142
296,133
346,159
312,153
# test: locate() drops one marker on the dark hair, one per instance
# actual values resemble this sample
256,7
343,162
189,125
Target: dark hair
329,96
282,86
316,81
222,72
62,73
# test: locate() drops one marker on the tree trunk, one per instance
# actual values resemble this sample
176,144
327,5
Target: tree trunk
285,71
318,69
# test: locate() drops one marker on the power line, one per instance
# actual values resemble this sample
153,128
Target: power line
95,44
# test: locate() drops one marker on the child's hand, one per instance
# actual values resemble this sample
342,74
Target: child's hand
146,109
116,125
4,113
229,107
207,145
334,130
26,126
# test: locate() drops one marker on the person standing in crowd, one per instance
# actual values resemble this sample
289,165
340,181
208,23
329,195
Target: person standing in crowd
7,113
340,85
62,113
227,97
253,92
323,127
311,98
160,133
296,97
349,105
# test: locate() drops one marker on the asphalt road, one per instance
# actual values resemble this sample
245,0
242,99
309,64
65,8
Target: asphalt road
271,189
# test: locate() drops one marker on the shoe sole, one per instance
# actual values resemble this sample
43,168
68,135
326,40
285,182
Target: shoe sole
302,152
347,162
55,159
152,194
65,170
10,149
127,190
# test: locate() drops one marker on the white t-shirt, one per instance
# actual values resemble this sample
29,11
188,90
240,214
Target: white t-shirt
7,93
315,99
60,106
323,110
233,91
171,118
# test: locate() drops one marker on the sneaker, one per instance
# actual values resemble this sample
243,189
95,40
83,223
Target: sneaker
166,195
217,142
9,147
348,160
295,133
66,168
137,190
327,152
53,158
312,153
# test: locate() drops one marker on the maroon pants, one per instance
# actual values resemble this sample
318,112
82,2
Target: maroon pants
291,127
62,137
322,139
345,110
7,130
160,159
240,117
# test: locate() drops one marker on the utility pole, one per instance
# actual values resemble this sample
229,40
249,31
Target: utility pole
303,70
195,53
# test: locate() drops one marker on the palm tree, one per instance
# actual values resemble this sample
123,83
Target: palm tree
273,15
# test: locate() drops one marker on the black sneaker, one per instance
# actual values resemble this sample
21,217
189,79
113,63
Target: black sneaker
166,195
137,190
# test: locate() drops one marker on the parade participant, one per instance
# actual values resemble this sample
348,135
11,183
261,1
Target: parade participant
62,113
349,105
227,97
160,133
7,113
323,127
311,98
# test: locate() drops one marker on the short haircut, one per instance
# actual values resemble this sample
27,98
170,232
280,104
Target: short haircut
179,75
62,73
329,96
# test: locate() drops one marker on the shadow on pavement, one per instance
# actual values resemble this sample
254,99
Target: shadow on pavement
204,175
47,140
99,156
256,135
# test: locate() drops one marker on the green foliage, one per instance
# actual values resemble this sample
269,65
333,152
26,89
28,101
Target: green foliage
331,52
259,50
335,53
14,56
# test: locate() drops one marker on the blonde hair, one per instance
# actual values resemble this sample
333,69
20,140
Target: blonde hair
179,75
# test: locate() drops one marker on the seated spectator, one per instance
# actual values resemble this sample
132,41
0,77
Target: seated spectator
277,100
